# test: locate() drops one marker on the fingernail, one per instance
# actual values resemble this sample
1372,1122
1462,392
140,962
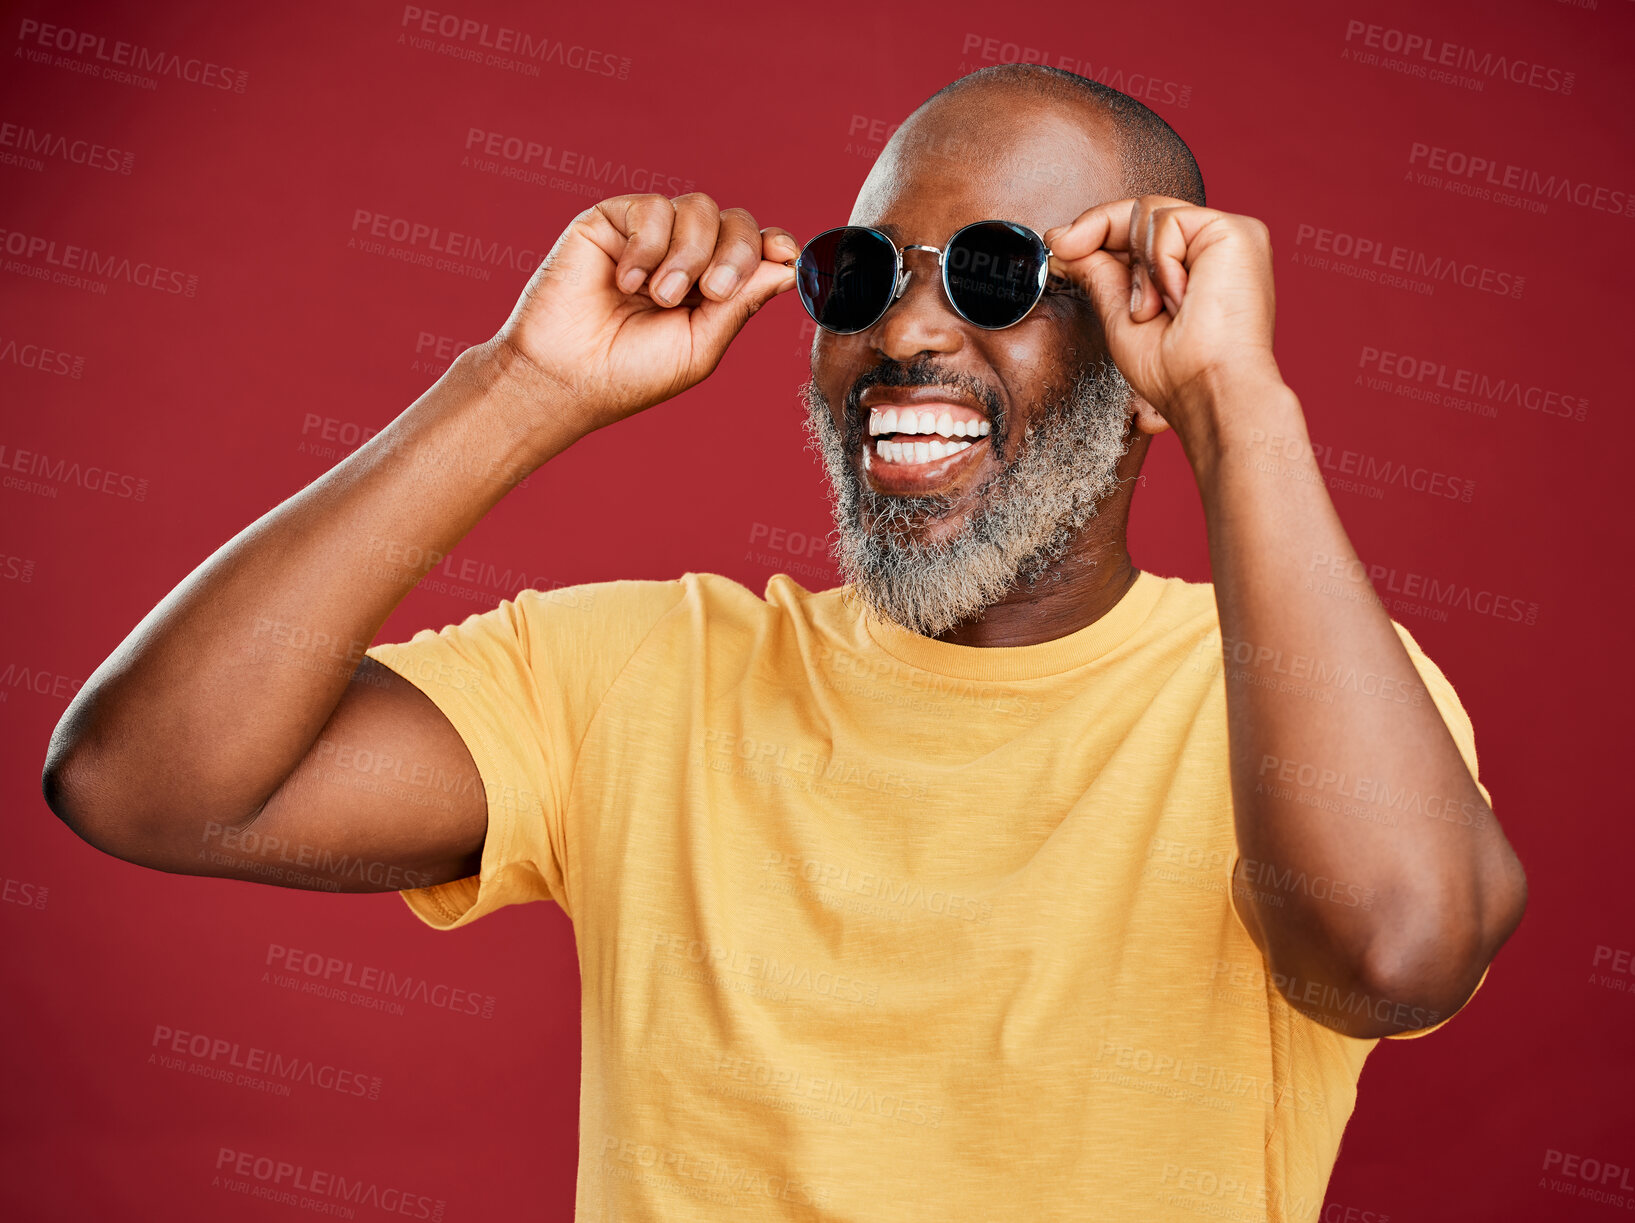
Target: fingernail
1135,291
722,281
1169,302
672,286
632,279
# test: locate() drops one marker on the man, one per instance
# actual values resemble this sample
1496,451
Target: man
1005,881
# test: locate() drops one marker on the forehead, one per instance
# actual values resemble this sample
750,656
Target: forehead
993,155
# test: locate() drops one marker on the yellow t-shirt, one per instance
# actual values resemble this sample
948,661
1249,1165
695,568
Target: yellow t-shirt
872,926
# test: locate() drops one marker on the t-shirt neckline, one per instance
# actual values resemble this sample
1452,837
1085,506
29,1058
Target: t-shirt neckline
1076,649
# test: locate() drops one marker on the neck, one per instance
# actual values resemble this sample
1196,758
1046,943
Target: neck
1077,591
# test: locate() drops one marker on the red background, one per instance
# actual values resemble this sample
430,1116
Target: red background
212,398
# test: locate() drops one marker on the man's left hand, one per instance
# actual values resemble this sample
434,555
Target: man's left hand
1185,298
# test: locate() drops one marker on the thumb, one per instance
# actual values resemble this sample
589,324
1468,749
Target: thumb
585,254
717,322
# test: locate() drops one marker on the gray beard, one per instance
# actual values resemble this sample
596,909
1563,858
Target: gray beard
1027,515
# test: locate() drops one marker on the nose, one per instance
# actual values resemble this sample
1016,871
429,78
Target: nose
920,320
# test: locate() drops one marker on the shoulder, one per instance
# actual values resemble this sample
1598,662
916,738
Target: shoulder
1185,612
1182,615
1179,601
700,602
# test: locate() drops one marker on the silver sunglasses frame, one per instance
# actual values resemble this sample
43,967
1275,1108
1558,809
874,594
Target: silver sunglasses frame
901,274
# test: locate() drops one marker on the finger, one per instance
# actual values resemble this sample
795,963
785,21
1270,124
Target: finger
1092,252
1145,301
779,245
1166,247
714,323
692,243
1104,226
1106,282
645,222
1148,237
1163,232
776,244
737,252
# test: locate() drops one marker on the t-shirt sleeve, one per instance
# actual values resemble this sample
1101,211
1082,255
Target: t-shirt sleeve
521,684
1464,737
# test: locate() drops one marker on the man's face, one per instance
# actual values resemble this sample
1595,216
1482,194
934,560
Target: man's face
1032,419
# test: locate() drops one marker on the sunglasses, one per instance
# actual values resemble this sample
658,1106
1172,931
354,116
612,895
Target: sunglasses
993,273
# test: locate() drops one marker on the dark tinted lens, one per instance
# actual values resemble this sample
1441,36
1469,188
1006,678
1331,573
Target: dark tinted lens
993,272
846,277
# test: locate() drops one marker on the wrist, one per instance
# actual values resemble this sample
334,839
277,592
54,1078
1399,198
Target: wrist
523,399
1237,413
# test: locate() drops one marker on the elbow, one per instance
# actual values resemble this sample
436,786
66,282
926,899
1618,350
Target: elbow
1512,903
117,796
1417,983
1407,965
76,784
1425,971
68,779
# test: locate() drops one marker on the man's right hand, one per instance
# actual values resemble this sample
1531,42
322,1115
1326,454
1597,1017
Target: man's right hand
228,705
612,315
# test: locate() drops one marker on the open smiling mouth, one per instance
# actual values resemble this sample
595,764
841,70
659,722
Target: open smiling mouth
917,445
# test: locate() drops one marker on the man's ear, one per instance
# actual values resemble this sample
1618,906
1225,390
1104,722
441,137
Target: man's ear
1147,419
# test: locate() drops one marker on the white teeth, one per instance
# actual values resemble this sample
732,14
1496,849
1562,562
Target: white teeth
918,452
909,422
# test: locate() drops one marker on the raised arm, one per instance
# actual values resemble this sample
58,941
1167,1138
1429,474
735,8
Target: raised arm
239,731
1185,297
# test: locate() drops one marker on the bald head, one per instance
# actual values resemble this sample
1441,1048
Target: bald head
1152,159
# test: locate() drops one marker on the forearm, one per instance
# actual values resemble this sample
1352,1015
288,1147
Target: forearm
1343,772
217,694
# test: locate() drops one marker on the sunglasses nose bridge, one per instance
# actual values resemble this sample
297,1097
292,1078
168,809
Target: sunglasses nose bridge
902,277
